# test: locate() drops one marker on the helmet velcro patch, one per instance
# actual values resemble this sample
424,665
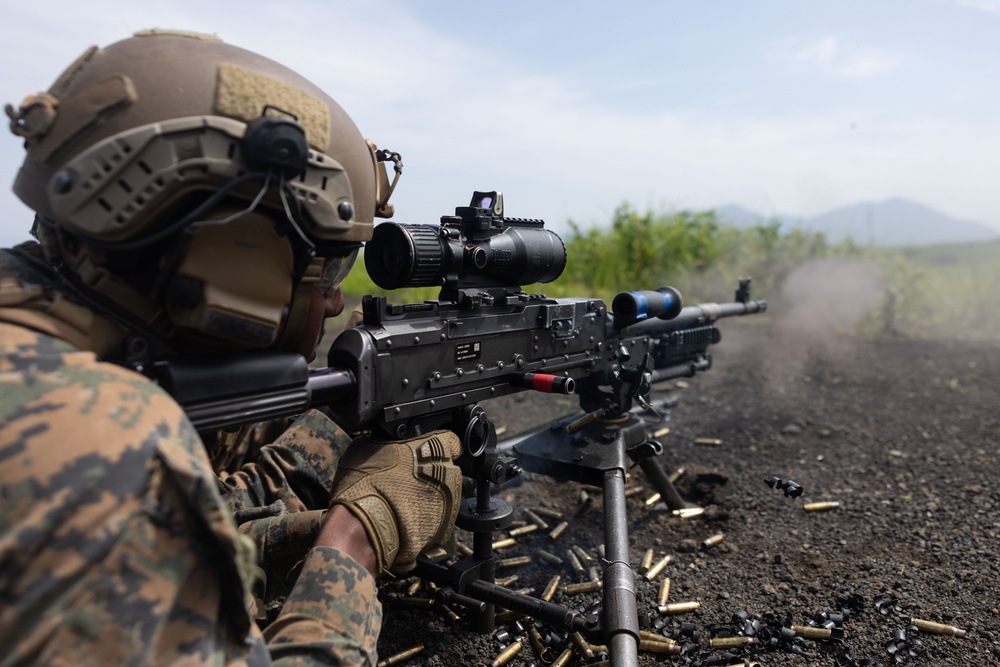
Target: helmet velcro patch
243,93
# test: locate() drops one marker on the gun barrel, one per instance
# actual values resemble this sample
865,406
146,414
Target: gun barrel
704,313
664,303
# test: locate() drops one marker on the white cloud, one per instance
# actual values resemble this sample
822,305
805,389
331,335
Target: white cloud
839,57
988,6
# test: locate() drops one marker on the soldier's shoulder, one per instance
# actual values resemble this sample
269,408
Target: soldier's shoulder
52,390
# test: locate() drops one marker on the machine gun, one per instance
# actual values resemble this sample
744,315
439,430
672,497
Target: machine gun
409,369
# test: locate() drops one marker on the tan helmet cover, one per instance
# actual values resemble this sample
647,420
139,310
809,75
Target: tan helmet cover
130,134
158,77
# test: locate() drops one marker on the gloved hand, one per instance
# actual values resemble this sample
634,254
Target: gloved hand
406,494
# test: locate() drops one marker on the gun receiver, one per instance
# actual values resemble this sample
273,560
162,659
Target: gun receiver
409,369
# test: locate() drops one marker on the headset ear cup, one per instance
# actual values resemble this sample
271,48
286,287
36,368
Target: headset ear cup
279,143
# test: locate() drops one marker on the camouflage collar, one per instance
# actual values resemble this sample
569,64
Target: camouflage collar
33,295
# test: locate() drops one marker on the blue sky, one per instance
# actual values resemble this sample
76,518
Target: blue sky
572,108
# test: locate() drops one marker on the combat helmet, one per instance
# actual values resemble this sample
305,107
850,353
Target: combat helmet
196,189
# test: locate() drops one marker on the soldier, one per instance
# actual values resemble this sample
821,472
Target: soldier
192,198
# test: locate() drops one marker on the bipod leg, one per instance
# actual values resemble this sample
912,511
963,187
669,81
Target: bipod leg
596,454
658,478
482,549
621,612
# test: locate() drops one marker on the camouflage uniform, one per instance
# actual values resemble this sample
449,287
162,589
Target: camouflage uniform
116,546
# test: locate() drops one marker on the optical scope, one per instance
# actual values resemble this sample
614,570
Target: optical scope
476,247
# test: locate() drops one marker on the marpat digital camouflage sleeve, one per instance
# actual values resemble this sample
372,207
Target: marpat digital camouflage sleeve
298,468
116,547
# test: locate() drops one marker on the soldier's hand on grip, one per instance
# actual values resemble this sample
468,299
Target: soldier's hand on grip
406,494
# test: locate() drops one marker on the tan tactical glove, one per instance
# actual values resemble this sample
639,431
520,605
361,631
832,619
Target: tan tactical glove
407,494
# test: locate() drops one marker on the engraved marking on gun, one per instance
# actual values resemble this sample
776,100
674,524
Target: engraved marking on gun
470,351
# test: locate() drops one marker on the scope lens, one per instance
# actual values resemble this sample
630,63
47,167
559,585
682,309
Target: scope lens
401,255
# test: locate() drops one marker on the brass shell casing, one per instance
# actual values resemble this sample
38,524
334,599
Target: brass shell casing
401,657
507,654
933,628
658,567
678,608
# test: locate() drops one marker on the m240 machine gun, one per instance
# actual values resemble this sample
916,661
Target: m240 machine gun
413,368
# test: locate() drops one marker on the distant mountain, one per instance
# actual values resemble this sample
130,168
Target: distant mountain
735,215
896,222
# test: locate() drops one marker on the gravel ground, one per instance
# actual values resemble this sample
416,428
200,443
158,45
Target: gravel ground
901,432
